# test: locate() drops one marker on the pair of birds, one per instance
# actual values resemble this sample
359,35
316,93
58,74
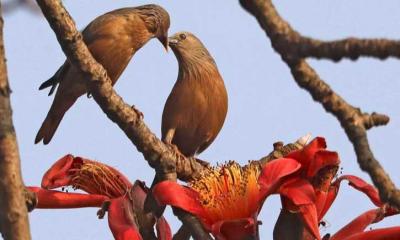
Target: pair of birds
195,109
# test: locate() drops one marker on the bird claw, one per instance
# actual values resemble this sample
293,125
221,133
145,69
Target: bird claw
203,163
176,150
138,112
104,208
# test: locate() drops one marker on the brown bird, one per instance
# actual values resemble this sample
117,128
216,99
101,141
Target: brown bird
112,38
196,108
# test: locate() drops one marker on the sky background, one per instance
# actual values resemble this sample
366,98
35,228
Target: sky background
265,104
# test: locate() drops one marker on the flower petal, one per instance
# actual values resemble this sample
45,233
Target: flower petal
362,186
391,233
358,224
324,200
322,159
121,220
306,155
171,193
309,216
56,199
301,193
163,229
272,174
57,175
235,229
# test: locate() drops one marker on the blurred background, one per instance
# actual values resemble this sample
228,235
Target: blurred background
265,104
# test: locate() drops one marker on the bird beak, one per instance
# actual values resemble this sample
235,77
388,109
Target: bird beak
164,41
172,41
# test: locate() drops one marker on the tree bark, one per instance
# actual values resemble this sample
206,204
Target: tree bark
13,212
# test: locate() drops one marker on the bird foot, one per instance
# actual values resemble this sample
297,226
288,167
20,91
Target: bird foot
202,162
104,208
176,150
138,112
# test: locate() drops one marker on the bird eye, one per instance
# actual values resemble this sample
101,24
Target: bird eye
182,36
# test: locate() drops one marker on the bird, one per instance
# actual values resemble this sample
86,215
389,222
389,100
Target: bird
196,108
112,38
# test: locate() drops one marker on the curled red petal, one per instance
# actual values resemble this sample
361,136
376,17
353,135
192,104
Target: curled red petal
359,224
391,233
362,186
322,159
272,174
163,229
56,199
235,229
121,220
306,155
171,193
57,175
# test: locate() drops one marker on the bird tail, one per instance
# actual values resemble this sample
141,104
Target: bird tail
53,119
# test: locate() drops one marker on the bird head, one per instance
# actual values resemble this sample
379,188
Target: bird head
188,48
157,21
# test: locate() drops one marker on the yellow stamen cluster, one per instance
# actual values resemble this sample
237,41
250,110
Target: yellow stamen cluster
96,178
228,191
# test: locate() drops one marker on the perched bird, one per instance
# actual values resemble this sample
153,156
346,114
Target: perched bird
112,38
196,108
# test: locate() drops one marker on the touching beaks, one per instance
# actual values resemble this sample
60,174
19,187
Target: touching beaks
164,41
172,41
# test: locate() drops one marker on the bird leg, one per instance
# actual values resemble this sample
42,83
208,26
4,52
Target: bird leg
168,141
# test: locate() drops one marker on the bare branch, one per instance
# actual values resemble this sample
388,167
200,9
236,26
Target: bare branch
13,212
192,224
182,234
351,48
287,43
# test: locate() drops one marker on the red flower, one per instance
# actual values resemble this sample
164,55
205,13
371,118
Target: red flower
226,199
103,183
308,190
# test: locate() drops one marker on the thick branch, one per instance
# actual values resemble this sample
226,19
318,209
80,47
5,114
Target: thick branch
159,156
13,212
286,42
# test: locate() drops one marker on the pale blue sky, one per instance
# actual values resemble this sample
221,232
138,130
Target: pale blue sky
265,104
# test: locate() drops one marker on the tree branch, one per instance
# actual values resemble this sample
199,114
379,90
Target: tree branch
13,212
288,41
289,44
